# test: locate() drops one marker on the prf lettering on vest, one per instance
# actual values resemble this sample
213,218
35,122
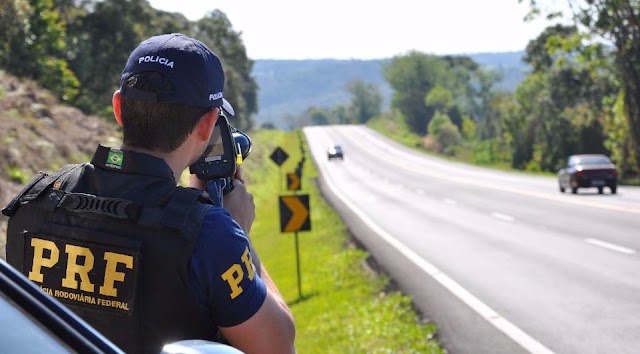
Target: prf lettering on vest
234,275
74,269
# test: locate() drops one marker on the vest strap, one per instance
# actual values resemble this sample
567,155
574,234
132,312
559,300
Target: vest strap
87,203
179,207
177,213
13,205
35,187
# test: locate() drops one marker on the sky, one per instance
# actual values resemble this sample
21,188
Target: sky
374,29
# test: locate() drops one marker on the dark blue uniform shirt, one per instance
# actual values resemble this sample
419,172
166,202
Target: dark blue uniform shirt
222,277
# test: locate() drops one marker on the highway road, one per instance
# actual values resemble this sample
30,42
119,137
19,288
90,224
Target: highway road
502,262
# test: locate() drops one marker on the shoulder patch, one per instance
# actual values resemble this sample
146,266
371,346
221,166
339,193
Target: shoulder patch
114,159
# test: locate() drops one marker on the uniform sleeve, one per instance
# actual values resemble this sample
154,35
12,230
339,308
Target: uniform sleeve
222,275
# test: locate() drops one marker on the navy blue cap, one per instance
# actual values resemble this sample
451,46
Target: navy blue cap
193,69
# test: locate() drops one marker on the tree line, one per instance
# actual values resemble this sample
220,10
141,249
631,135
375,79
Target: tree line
581,96
78,48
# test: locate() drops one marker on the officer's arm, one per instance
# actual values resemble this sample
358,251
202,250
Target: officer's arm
239,203
270,330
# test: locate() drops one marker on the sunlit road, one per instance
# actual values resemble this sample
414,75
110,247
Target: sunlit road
501,262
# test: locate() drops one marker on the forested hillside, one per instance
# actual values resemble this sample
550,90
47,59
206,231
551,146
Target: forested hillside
77,49
289,87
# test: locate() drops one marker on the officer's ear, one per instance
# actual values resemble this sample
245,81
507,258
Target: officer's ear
204,129
116,102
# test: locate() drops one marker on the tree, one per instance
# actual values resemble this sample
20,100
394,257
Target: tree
482,92
366,101
561,102
503,135
412,76
104,37
469,128
445,133
341,114
77,49
32,45
415,75
439,99
538,52
618,22
618,139
318,116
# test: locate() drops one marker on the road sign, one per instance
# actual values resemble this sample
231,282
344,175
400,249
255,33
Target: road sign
294,213
279,156
294,182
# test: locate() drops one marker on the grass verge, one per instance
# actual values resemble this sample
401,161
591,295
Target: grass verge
339,305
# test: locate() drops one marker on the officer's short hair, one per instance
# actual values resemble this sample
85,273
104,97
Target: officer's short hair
156,126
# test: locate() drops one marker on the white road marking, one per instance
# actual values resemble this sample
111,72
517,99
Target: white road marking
501,216
610,246
512,331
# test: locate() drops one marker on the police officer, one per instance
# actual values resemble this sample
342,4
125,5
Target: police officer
142,260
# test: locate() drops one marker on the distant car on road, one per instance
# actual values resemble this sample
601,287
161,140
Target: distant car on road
335,152
587,171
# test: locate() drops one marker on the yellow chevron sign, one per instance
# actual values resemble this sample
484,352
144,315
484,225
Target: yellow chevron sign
294,213
293,181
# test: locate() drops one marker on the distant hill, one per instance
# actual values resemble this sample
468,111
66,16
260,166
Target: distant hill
289,87
292,86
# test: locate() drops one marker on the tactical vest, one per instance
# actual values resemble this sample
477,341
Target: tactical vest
119,261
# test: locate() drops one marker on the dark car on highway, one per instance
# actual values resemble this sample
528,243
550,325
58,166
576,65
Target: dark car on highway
335,152
588,171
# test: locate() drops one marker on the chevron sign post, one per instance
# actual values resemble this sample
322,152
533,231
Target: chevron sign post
294,213
294,217
293,181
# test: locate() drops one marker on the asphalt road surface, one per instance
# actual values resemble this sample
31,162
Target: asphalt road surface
501,262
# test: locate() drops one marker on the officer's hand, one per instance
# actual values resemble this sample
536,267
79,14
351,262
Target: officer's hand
238,174
195,182
239,203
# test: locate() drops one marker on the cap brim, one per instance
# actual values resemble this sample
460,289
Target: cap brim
227,107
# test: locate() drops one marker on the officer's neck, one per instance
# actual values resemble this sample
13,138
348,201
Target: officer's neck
175,159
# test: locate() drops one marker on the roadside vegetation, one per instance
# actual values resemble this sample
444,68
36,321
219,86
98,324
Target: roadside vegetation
398,131
344,306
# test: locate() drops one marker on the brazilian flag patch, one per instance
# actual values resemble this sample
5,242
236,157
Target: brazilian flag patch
115,158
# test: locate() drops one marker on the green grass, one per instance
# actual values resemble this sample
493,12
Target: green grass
17,175
398,131
344,307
